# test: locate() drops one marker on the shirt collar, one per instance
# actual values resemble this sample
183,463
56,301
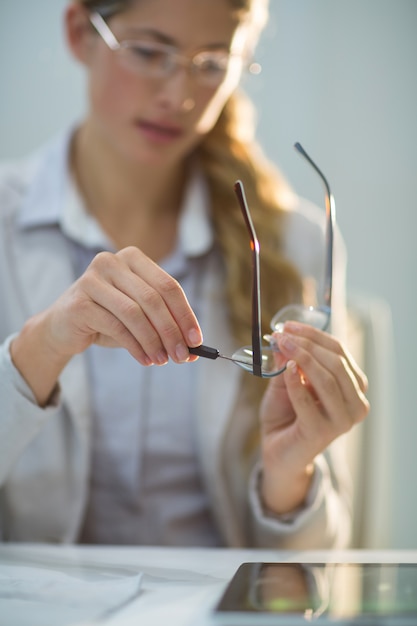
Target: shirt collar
46,189
53,199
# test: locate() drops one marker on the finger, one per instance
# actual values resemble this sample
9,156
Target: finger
330,343
331,378
101,284
314,430
141,308
127,313
171,292
105,329
111,332
307,409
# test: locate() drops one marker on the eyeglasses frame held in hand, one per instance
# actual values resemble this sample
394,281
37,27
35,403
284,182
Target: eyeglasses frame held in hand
255,358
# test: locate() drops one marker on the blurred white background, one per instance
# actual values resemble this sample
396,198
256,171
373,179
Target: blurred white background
341,78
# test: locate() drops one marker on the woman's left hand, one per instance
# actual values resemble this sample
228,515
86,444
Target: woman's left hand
320,396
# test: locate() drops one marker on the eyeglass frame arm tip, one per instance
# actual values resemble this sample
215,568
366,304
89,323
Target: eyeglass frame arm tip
331,220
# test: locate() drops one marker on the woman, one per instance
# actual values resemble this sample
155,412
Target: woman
123,233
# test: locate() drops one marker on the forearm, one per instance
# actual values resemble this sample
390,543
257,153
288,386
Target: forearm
21,418
283,492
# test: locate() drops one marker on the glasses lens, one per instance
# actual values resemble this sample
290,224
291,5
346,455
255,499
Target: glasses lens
156,60
211,67
318,317
273,362
148,58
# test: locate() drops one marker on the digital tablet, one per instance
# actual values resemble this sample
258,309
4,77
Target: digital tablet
295,594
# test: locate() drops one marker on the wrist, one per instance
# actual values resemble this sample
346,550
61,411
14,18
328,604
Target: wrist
38,363
282,493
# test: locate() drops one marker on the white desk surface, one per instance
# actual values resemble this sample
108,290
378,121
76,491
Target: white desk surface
43,585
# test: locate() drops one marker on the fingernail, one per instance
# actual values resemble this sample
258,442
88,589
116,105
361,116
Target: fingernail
181,352
292,326
292,367
194,338
285,342
161,357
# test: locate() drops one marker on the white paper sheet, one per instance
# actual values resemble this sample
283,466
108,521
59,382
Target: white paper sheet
36,596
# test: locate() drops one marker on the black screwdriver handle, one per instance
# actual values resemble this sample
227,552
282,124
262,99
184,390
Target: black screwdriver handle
205,351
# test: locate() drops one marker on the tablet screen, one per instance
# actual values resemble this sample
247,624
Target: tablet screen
333,593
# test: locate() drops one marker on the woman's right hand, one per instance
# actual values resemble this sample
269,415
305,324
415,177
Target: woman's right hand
122,300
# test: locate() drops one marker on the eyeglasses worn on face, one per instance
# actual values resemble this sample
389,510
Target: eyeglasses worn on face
268,361
159,61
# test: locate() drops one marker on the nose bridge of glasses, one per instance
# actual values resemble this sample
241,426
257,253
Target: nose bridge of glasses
170,62
177,81
190,65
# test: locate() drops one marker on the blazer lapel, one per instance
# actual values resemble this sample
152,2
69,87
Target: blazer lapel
43,272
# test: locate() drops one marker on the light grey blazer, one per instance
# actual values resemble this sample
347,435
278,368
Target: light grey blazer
45,452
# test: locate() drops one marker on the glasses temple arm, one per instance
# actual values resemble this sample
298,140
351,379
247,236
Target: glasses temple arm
330,224
104,31
256,299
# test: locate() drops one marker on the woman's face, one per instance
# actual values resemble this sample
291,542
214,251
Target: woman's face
160,120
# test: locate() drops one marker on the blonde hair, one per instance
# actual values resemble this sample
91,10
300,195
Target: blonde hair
227,156
228,153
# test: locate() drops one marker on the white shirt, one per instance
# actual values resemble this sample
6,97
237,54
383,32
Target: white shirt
145,484
45,456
